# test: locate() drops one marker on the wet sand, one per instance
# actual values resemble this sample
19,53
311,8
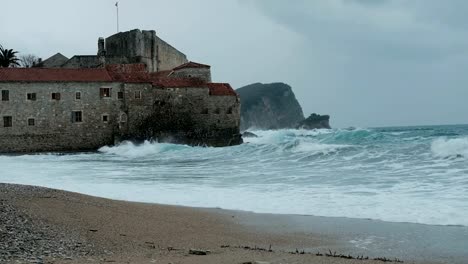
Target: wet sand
50,226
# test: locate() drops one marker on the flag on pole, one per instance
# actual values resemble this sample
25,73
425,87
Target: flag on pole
117,9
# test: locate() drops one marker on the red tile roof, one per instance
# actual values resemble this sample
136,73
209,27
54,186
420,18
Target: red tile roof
54,75
126,73
159,74
191,64
221,89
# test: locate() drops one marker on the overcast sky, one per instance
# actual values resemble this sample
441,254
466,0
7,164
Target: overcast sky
364,62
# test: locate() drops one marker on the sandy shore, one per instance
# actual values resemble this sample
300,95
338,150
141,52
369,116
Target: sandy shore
49,226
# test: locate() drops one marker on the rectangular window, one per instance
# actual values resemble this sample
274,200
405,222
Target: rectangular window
5,95
120,95
78,96
55,96
137,94
7,121
31,96
77,116
105,118
105,92
31,122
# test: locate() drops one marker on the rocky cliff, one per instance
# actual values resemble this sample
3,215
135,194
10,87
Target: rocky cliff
269,106
315,121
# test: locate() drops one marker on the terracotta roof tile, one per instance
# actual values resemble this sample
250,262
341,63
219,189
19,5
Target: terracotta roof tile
126,73
160,74
191,64
221,89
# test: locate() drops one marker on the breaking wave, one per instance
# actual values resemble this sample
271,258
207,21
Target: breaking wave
407,174
450,148
145,149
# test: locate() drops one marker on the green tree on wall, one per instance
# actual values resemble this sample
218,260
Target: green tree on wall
8,58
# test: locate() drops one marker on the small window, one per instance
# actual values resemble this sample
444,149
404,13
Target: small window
123,118
229,111
5,95
7,121
77,116
78,96
105,92
120,95
31,122
205,111
55,96
137,94
31,96
105,118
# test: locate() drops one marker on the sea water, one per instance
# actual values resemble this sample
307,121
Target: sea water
399,174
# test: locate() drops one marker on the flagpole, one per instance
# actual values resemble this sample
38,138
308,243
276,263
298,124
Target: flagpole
117,5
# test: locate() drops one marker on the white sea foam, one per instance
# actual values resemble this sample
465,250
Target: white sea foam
358,174
314,148
146,149
450,148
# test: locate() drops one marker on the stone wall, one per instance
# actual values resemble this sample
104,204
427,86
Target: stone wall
83,61
56,61
144,47
168,57
138,46
177,115
138,105
53,128
182,115
203,74
135,46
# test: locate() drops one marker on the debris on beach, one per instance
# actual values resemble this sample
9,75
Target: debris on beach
199,252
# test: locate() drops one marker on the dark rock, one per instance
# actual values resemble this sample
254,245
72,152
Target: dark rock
248,134
199,252
315,121
269,106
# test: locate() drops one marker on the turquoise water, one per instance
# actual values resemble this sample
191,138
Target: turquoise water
400,174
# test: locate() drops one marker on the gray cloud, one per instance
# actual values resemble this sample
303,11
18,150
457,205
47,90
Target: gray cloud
366,62
387,62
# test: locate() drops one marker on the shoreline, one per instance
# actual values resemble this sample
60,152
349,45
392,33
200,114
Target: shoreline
95,230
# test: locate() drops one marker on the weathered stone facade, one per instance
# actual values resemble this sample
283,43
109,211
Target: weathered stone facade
41,115
53,128
55,61
135,46
138,87
192,70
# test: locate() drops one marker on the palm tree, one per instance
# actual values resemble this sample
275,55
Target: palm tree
8,58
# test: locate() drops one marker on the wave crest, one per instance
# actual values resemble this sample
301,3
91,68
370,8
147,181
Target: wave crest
450,148
146,149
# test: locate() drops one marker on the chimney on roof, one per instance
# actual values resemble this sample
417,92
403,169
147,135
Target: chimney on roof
101,48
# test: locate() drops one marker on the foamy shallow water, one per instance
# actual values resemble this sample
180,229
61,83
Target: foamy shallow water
413,174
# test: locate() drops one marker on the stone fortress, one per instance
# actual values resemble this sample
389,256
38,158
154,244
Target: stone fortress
137,87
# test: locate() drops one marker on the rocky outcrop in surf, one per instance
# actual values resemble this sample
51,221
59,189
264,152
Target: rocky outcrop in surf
269,106
274,106
315,121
